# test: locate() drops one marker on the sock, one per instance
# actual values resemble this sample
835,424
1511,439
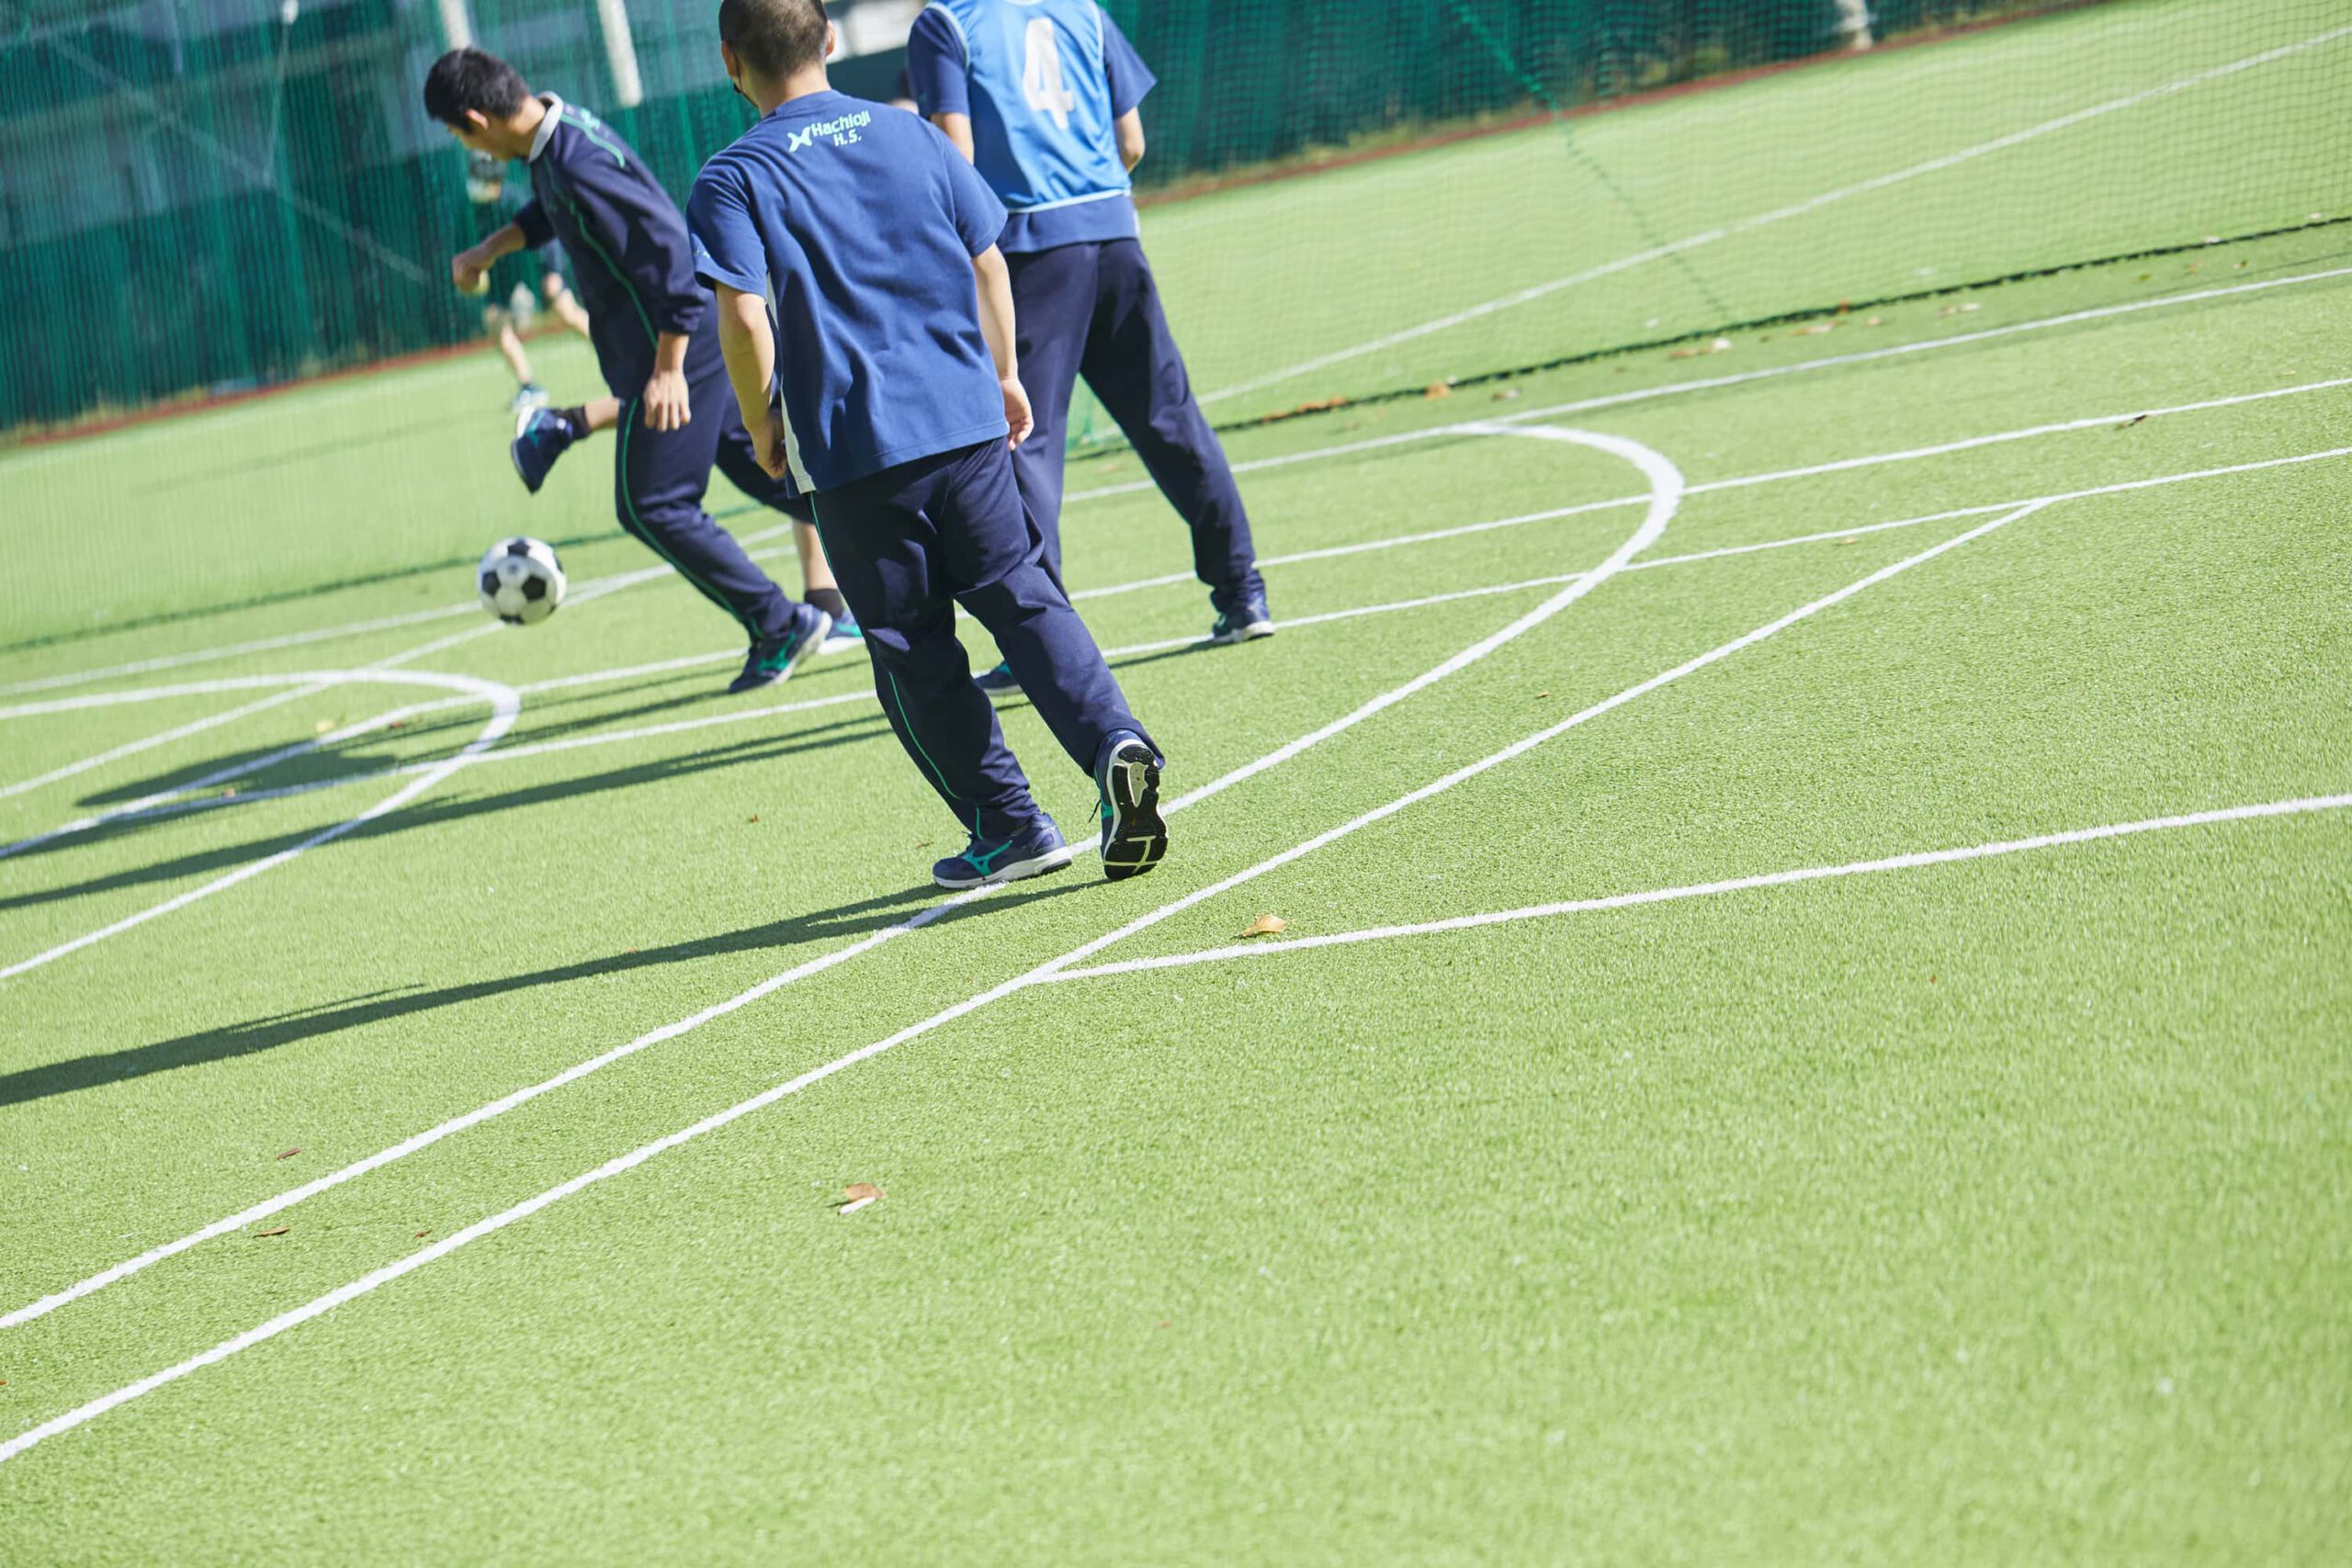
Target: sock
828,600
575,420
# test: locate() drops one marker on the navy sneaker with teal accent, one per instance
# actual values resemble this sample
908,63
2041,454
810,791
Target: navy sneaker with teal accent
528,396
996,683
1035,849
1126,774
845,635
774,659
1247,621
541,438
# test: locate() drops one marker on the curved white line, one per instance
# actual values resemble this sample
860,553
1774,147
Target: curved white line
1664,476
505,707
1668,490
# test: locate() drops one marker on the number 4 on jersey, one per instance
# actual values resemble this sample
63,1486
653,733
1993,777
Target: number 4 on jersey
1041,74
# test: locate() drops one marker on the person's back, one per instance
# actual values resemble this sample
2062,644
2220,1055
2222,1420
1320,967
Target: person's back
1043,116
1045,97
860,285
868,270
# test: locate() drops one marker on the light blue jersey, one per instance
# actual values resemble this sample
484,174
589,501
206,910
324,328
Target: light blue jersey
1043,82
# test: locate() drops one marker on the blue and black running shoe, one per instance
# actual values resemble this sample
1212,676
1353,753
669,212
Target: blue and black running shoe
541,438
845,635
1035,849
1247,621
997,682
774,659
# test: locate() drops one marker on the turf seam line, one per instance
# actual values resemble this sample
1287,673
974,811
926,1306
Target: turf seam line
1914,860
1795,209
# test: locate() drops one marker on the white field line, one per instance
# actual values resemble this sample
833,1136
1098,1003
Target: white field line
162,738
1677,388
1709,487
1779,214
185,803
1652,525
1732,884
505,707
1668,483
585,592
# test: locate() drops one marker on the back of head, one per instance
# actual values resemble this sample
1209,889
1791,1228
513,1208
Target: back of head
473,79
775,38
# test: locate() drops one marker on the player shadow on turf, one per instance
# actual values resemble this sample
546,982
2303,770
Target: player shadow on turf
256,1036
433,812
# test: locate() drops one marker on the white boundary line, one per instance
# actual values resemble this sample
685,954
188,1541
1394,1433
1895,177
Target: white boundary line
1732,884
1667,497
505,706
182,803
1710,383
1668,484
1796,210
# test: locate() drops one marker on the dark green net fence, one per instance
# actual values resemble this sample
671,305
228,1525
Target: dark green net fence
207,195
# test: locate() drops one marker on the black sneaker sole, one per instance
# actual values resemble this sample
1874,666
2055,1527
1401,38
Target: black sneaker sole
1134,838
809,648
1249,633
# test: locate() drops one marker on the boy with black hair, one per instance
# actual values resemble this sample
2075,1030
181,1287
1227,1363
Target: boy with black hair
651,325
858,235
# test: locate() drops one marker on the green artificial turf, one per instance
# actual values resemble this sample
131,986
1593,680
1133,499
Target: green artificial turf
1988,1212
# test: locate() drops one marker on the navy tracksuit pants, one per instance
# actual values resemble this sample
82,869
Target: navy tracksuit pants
910,544
658,480
1093,310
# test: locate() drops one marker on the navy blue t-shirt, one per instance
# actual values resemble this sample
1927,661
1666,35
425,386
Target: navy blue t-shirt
1043,82
858,222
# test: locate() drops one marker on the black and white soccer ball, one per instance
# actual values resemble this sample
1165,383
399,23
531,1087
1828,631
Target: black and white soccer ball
521,581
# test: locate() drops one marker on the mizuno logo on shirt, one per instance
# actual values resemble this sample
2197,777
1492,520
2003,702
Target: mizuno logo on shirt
840,132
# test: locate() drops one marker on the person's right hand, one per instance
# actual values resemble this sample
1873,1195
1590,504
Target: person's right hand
767,444
1016,410
469,270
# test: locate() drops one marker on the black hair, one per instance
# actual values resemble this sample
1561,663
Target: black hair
775,38
473,79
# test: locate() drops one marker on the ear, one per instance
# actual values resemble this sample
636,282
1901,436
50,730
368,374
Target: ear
726,58
832,40
477,121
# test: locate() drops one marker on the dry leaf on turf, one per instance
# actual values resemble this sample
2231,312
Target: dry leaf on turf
1437,389
1266,925
859,1194
279,1231
290,1153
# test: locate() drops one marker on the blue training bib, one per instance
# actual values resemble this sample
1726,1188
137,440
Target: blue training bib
1041,102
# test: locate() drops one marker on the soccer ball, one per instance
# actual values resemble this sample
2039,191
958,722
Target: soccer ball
521,581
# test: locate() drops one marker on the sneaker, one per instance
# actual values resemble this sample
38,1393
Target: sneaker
1246,622
997,682
528,396
774,659
539,439
1033,851
846,636
1127,775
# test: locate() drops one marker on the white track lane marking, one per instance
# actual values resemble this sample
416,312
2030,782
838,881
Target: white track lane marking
1668,484
1731,884
1777,215
505,706
149,742
1710,383
182,803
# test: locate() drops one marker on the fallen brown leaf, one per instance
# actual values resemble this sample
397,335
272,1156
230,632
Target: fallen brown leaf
1266,925
1541,694
1437,389
1684,353
1507,394
290,1153
1816,328
279,1231
2132,420
1874,321
423,1233
857,1189
752,819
